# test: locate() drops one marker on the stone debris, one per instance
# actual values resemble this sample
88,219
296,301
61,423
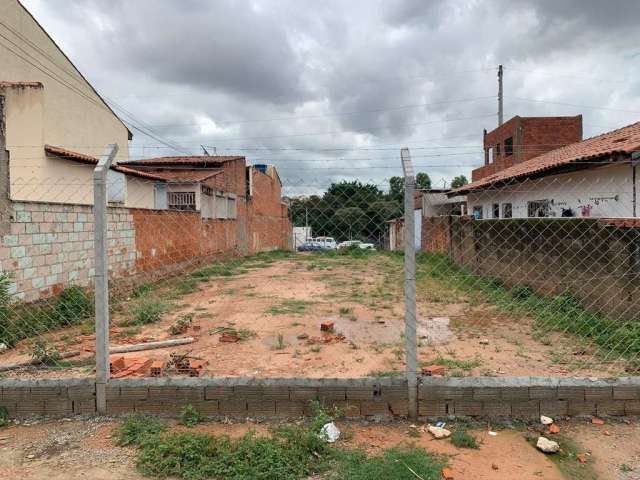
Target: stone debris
553,428
547,446
329,432
326,326
546,420
484,341
447,473
434,371
438,432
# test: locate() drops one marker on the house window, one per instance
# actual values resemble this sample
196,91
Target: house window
221,206
181,200
491,154
539,208
231,208
507,210
477,212
487,156
508,146
496,210
497,150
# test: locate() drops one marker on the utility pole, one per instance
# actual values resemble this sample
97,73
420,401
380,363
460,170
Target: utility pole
500,109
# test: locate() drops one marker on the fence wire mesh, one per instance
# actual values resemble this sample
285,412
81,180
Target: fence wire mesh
231,270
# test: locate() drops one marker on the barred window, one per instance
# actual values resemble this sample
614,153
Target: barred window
507,210
181,200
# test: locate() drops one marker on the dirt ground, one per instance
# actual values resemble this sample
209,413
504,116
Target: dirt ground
279,305
84,449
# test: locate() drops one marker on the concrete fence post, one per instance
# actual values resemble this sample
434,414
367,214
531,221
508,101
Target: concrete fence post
411,344
102,275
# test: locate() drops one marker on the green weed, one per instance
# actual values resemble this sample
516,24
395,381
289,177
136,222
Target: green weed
289,307
146,310
189,416
138,428
462,439
4,417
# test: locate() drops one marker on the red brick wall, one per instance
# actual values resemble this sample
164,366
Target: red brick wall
532,136
268,217
435,234
165,238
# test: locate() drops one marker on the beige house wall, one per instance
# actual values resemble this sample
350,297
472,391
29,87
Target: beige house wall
73,117
140,192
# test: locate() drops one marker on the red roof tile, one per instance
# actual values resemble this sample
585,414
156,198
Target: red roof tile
68,154
5,84
624,140
189,160
191,175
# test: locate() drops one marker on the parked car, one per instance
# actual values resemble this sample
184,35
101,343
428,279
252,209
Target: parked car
326,243
356,243
309,246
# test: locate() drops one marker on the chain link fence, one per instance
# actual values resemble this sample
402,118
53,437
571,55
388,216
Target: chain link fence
217,268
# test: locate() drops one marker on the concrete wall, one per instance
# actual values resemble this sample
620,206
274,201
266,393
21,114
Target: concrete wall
522,397
597,192
54,114
50,246
596,262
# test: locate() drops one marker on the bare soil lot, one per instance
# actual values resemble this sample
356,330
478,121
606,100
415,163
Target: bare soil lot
85,449
276,305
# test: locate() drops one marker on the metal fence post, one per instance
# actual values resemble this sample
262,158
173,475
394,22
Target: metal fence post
411,344
101,275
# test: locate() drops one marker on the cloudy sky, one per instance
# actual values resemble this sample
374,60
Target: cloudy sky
330,90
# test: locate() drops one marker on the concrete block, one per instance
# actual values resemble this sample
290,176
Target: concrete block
528,409
395,392
598,393
626,393
370,408
208,408
610,408
289,408
578,409
233,407
58,407
218,392
543,392
514,393
332,393
398,407
162,394
570,393
486,393
156,408
468,408
428,392
275,392
84,407
12,407
303,393
554,408
117,407
81,392
42,393
360,393
345,408
113,392
190,394
28,408
133,393
432,408
261,408
632,407
496,408
248,392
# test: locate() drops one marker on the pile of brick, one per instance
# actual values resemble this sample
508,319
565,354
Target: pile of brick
183,364
121,367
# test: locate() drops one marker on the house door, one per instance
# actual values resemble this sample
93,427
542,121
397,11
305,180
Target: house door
160,196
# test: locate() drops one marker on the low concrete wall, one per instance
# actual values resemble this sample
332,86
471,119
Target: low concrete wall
520,397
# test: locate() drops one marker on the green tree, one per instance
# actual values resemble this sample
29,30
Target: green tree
396,188
423,181
349,223
459,181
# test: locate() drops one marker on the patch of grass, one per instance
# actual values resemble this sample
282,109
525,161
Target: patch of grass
401,463
280,344
454,363
289,452
567,459
146,310
189,416
289,307
384,373
137,428
345,311
624,468
462,439
182,324
4,416
316,349
73,305
45,353
186,285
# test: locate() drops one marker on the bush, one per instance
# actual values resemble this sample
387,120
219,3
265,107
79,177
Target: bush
189,416
145,311
73,306
4,417
138,428
461,439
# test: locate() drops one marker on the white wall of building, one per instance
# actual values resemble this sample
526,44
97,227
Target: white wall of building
605,191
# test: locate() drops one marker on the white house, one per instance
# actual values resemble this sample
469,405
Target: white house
596,177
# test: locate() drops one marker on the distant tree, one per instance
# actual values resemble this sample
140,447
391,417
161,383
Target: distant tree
459,181
349,223
423,182
396,188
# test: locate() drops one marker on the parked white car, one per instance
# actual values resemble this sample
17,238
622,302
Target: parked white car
356,243
325,243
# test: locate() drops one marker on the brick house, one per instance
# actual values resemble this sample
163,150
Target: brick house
596,177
